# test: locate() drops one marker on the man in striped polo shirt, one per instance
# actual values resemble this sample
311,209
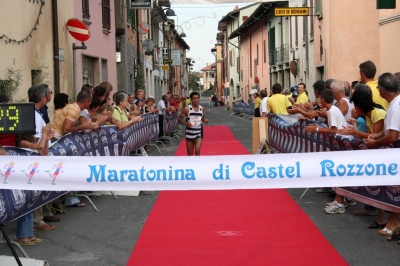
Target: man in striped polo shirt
193,118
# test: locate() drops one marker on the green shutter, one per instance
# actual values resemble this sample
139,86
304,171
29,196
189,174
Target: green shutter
318,8
131,18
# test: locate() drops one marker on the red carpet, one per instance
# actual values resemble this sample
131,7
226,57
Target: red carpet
232,227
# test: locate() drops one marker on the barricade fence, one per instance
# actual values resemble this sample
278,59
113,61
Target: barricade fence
243,110
287,135
107,141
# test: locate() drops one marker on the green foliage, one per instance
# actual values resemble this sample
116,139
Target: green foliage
11,84
139,81
194,81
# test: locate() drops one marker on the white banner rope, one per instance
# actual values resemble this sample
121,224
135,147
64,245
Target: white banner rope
324,169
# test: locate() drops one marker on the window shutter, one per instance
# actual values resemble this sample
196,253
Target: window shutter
230,58
318,8
106,14
131,18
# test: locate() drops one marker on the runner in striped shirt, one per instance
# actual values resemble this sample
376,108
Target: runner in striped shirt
193,118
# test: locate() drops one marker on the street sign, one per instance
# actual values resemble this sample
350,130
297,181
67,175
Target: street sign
292,11
165,67
167,61
143,28
78,30
148,45
165,53
176,57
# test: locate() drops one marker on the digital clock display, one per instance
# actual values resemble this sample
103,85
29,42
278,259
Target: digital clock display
17,118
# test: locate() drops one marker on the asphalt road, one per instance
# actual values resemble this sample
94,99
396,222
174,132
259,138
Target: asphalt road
85,237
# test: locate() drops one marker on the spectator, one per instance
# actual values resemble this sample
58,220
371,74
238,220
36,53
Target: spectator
264,103
43,110
140,100
250,99
25,233
64,122
108,88
369,120
278,103
257,103
347,88
149,106
162,108
119,116
39,96
100,92
90,114
336,122
343,103
388,87
60,101
302,97
106,109
367,75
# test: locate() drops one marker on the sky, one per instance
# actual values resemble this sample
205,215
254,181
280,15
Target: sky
200,24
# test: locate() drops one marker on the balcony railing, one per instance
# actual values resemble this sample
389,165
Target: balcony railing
279,54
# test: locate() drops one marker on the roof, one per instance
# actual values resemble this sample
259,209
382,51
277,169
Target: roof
209,67
257,15
235,12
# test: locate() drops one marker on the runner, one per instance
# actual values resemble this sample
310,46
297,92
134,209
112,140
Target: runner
193,117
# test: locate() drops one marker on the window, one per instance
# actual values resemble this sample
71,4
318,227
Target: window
304,26
85,9
256,61
106,16
36,76
131,17
312,19
318,8
265,52
230,58
296,34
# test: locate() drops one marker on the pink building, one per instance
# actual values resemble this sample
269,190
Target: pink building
97,63
253,53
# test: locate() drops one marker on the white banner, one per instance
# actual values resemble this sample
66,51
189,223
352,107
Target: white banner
296,170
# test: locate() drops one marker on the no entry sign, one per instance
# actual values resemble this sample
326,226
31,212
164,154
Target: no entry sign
78,30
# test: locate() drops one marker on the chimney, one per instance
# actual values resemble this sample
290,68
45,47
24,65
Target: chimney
236,8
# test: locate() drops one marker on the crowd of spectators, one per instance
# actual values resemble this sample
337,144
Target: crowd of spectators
91,110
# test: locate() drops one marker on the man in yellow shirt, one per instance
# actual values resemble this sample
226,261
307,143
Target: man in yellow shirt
278,103
367,75
65,121
302,98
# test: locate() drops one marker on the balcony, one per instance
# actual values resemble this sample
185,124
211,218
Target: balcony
279,55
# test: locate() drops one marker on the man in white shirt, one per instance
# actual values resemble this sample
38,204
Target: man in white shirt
335,121
343,102
162,108
388,87
264,105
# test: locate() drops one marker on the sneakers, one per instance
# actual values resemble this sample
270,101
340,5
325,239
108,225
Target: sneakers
365,212
330,203
347,202
350,202
335,209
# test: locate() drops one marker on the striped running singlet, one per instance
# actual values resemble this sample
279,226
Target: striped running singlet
196,131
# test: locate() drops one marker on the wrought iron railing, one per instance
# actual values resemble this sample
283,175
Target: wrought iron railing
279,54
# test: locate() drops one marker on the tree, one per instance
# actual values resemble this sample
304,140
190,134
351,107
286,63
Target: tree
194,79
